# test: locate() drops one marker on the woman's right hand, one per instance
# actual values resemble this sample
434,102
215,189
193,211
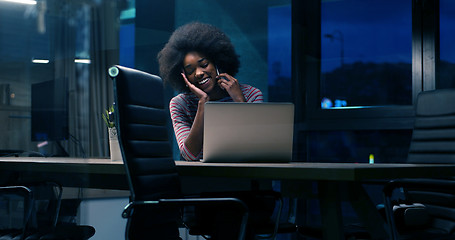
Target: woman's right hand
194,140
203,96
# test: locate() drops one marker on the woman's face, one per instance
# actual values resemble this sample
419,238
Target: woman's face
200,71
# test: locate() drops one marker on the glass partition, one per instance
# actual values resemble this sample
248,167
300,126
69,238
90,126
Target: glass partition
372,146
55,55
447,48
366,53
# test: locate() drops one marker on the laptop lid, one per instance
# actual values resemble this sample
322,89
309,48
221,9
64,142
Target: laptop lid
248,132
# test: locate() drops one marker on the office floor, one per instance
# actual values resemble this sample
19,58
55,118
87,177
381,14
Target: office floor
105,215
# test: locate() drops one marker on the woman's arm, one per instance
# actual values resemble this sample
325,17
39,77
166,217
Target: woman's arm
183,126
189,134
194,140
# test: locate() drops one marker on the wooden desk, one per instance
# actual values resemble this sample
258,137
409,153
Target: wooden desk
102,173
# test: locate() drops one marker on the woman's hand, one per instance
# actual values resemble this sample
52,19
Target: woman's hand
232,86
193,142
197,91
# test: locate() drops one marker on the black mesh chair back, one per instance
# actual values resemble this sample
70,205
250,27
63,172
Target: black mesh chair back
143,134
15,211
31,211
154,211
433,137
140,119
424,208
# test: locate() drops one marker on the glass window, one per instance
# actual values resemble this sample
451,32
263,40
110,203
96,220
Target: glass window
366,53
261,37
53,84
447,48
279,53
384,146
55,55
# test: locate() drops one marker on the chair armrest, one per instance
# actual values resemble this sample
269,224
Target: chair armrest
432,185
27,195
184,202
428,184
18,190
41,191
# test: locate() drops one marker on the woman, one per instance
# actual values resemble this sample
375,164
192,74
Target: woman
200,61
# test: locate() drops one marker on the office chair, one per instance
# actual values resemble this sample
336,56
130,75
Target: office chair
31,211
16,207
156,199
425,208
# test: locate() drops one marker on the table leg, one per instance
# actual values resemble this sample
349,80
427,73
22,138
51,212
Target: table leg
366,211
330,205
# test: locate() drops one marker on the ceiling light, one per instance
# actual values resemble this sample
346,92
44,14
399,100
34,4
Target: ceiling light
29,2
82,60
40,61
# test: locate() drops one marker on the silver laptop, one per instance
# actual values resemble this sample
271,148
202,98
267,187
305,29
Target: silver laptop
248,132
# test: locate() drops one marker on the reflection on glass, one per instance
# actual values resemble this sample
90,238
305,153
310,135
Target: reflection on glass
387,146
365,53
69,45
279,53
447,48
49,92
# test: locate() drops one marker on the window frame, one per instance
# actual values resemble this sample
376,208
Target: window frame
306,72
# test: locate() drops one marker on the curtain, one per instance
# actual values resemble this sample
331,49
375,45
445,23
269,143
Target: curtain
104,54
63,49
82,32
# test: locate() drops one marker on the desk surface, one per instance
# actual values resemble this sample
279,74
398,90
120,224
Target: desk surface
103,173
314,171
282,171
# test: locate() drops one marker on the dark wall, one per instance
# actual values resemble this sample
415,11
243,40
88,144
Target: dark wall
154,24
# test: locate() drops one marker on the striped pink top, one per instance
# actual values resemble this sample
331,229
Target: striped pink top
183,108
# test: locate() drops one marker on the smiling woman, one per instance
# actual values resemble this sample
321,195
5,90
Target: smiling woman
189,62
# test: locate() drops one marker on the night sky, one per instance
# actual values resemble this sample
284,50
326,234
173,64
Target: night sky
373,31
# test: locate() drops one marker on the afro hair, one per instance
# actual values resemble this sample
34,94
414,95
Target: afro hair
200,37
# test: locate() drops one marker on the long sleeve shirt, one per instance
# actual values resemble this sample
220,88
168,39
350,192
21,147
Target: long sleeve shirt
183,108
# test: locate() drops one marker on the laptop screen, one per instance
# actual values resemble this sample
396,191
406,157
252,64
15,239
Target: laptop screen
248,132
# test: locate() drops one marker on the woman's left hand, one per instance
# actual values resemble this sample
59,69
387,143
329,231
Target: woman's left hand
232,86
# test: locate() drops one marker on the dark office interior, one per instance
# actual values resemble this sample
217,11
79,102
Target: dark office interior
352,68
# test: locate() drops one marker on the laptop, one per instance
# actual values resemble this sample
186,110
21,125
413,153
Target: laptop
248,132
